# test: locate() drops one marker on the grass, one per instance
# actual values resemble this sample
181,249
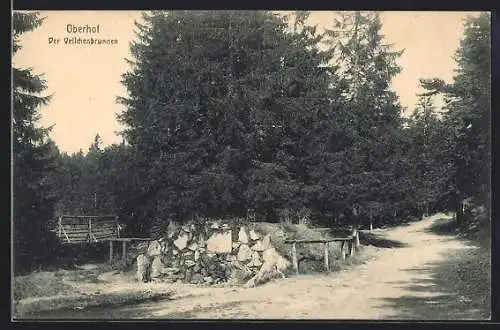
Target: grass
51,294
70,306
38,284
50,283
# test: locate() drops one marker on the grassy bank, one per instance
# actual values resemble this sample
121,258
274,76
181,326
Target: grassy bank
40,308
467,273
36,294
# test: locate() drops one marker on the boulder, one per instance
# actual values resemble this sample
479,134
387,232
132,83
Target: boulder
273,267
181,241
157,267
263,244
236,245
272,256
210,255
244,253
266,273
208,280
175,252
254,235
196,255
197,267
256,261
193,246
154,249
220,242
164,247
142,268
242,236
239,273
170,270
266,241
214,225
282,264
189,263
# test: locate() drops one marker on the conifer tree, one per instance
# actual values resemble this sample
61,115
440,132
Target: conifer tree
216,111
468,111
370,112
34,156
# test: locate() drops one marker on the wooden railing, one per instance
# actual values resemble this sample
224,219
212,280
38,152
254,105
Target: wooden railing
348,247
87,229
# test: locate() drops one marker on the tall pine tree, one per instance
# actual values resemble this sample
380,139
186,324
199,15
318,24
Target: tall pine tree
371,113
33,159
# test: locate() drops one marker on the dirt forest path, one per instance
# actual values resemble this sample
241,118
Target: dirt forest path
373,290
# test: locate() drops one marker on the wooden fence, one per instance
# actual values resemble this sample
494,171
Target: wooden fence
87,229
347,248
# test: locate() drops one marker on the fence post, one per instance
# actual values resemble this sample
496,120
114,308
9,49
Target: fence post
124,249
355,235
294,257
90,230
110,251
327,264
59,226
342,250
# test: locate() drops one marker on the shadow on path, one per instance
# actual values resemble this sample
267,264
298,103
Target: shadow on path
458,288
378,240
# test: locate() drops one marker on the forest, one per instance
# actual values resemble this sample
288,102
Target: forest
231,111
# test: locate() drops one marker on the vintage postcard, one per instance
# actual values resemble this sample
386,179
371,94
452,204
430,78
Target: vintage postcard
251,165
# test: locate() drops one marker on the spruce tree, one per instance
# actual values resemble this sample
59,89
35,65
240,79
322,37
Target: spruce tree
370,111
34,158
218,105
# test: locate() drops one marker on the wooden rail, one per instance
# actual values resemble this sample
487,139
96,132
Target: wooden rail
87,228
352,242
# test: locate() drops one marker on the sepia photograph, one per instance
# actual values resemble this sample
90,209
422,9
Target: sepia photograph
251,164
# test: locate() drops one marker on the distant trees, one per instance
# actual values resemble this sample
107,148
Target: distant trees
34,159
429,155
98,182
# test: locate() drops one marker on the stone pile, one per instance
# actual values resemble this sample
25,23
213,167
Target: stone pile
209,253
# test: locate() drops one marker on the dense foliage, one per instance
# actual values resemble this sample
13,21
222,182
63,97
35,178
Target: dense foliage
229,111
